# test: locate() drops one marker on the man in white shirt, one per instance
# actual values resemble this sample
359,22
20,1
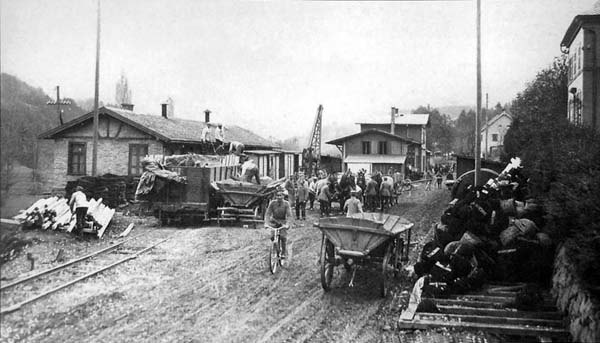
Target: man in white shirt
79,205
250,170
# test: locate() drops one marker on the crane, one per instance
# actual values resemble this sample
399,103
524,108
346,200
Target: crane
311,155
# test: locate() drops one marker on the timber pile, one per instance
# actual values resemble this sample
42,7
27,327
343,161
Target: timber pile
113,189
54,213
495,232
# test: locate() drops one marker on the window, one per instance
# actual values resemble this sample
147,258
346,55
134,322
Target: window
383,148
136,154
366,148
494,137
76,159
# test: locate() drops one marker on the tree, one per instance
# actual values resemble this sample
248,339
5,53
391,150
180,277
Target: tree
464,142
440,133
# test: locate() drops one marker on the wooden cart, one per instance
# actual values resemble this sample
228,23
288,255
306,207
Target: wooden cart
243,201
365,238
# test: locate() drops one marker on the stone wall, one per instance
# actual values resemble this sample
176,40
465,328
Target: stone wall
113,158
574,299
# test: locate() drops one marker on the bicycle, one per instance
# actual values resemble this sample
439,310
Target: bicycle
275,250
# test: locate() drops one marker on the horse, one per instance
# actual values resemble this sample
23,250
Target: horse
344,187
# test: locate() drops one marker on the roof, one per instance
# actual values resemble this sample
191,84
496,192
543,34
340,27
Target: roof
590,16
398,159
261,152
405,119
362,133
495,119
166,129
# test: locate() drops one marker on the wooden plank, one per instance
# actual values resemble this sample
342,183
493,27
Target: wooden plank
485,304
109,216
512,313
9,221
326,226
491,319
488,328
414,300
127,230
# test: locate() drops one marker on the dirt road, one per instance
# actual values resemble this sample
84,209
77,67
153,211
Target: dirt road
212,284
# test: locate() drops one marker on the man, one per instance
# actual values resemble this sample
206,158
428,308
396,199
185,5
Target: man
312,192
79,205
249,170
291,190
278,215
236,148
385,192
324,197
301,197
353,205
371,193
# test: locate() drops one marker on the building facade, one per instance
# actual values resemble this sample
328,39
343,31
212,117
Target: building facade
124,139
582,44
376,150
492,135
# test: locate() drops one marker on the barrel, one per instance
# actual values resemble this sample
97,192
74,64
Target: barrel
508,207
509,235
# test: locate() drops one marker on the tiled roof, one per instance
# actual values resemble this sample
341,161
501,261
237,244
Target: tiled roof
169,129
406,119
383,133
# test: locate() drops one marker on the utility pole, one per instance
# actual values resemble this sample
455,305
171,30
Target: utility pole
477,133
96,94
485,122
57,103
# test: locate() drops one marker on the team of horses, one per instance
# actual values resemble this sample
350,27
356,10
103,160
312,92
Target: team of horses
377,193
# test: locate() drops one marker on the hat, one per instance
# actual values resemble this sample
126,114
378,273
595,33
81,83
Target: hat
78,188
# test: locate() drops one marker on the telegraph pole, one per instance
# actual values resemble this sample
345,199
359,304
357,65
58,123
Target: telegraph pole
477,133
485,122
57,103
96,94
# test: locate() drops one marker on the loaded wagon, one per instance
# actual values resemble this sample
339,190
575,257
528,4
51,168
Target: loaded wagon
369,239
242,201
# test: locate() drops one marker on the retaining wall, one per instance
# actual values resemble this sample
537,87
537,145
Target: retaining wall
575,300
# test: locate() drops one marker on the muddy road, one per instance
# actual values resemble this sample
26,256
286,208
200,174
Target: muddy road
211,284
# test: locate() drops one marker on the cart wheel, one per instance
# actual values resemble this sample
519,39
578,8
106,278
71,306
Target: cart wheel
386,271
327,264
274,257
398,249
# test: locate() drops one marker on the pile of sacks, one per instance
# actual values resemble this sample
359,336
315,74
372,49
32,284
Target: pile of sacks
495,232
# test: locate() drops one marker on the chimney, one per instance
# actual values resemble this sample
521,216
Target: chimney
207,116
164,110
393,126
128,107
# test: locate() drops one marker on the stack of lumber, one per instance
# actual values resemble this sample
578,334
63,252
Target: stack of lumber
65,219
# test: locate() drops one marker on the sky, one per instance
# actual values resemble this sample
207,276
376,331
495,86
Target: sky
267,65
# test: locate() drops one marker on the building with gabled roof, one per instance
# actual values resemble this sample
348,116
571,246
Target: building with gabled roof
582,44
376,150
124,139
492,135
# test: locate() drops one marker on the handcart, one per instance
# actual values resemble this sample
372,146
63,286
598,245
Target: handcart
364,239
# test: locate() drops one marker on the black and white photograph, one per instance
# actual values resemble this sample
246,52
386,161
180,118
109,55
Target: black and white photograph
336,171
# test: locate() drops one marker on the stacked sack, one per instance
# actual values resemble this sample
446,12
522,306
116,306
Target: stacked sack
492,233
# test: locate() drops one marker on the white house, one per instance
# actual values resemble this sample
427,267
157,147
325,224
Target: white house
492,135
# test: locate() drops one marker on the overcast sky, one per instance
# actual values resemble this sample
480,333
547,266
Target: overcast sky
268,65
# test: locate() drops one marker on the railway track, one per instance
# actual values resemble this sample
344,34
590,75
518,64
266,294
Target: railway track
68,267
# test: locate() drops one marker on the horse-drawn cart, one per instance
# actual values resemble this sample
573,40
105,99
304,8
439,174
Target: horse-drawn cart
364,239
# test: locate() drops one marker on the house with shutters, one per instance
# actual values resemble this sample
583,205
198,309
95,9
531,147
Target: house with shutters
379,146
126,137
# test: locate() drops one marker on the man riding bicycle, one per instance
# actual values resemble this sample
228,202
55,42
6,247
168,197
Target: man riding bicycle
278,215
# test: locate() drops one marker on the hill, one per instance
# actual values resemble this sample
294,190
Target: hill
24,115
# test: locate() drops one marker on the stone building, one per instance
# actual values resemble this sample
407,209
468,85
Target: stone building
582,44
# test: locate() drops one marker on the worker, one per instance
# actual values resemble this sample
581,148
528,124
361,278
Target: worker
249,170
79,205
371,193
278,215
324,197
428,180
353,205
312,192
236,148
385,192
301,198
291,189
439,177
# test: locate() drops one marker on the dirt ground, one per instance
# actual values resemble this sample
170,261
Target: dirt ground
211,284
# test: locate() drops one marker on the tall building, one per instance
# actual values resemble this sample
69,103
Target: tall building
582,44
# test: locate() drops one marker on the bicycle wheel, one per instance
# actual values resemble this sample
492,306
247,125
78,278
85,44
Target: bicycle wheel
274,257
